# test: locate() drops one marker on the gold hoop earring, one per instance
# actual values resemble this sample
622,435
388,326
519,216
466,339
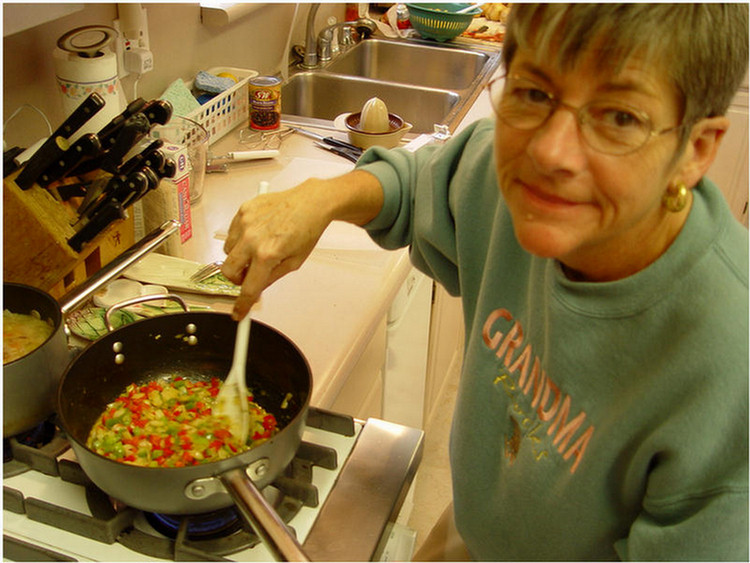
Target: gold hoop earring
676,197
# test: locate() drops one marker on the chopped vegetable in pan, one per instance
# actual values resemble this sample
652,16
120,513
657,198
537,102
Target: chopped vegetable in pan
168,423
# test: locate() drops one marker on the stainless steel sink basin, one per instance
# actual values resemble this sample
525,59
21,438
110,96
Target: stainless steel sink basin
411,63
323,95
425,83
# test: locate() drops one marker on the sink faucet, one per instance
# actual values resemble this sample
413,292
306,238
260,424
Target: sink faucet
364,26
318,50
311,52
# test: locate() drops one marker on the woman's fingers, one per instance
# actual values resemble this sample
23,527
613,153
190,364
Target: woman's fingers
269,237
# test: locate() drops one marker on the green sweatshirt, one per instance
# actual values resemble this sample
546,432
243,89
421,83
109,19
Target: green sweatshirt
594,421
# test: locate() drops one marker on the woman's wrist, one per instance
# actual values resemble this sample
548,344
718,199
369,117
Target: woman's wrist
356,197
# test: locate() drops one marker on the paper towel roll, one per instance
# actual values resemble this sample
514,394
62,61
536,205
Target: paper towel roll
79,75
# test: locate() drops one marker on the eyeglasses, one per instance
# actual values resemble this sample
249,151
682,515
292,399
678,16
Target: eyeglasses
606,126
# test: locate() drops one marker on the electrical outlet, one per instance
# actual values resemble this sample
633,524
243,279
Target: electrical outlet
139,45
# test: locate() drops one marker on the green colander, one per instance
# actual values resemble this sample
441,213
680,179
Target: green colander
440,21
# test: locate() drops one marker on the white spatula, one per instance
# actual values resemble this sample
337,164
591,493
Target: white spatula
232,398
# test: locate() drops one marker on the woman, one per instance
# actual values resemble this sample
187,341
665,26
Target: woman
602,408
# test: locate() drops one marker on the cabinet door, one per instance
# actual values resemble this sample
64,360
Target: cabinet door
730,169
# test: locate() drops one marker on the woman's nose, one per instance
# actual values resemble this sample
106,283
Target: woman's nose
557,146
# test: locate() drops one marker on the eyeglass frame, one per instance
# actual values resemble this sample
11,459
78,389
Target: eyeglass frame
557,103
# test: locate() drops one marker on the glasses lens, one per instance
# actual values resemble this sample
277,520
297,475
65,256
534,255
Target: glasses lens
613,128
522,104
607,127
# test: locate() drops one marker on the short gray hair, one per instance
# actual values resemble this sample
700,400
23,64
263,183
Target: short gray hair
703,48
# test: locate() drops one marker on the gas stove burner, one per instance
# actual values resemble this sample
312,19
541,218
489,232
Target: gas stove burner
217,524
35,449
39,436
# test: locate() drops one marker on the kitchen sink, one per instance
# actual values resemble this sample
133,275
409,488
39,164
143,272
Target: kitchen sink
323,95
411,63
423,82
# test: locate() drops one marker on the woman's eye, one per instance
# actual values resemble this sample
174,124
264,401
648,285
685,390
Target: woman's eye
531,95
618,118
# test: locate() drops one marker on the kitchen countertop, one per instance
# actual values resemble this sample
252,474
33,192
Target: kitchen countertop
333,304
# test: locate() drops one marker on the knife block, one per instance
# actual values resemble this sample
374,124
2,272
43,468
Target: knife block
36,229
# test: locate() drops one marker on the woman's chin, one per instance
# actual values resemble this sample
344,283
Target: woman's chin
545,241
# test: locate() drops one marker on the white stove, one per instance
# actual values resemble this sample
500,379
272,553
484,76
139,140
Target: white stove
341,496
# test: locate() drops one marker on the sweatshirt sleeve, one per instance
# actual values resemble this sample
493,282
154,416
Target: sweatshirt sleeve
421,192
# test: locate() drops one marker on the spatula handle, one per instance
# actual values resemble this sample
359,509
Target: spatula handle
242,341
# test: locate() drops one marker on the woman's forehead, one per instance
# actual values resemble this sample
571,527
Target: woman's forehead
634,68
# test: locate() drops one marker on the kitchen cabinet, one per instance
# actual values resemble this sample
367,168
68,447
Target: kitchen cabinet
361,396
20,17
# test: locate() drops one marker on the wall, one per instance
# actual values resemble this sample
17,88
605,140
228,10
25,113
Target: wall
181,45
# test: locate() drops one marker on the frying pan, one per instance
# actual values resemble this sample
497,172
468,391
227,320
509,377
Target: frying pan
196,346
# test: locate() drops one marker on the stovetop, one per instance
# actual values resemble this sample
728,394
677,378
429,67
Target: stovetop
340,496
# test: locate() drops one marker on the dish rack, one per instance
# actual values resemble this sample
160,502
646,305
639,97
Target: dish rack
227,110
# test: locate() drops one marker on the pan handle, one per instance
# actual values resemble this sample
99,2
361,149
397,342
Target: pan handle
141,299
262,518
148,243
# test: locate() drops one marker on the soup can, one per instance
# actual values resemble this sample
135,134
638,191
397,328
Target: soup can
265,102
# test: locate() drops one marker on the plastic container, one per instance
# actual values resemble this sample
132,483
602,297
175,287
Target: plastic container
227,110
439,21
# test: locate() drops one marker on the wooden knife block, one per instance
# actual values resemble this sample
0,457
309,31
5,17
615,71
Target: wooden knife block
36,229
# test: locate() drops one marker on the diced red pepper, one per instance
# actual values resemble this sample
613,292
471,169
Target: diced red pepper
222,433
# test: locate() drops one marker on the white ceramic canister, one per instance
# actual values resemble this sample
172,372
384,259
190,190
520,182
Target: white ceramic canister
84,64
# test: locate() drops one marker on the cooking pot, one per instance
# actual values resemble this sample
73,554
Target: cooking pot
196,346
30,382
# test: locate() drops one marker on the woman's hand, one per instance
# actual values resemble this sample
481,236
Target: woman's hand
272,234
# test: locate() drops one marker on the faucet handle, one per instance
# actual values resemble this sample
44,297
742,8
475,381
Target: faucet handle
347,37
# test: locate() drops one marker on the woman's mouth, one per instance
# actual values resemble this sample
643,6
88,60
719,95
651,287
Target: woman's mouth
544,200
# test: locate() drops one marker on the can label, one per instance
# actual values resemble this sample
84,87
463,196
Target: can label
265,102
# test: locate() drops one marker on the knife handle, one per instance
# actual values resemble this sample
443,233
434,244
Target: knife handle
342,145
135,128
158,112
109,131
52,148
88,108
86,146
112,211
240,156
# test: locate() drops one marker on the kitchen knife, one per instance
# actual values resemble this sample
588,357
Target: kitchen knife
133,130
87,145
68,191
95,195
142,158
10,164
329,140
158,112
339,151
58,141
108,133
104,217
152,178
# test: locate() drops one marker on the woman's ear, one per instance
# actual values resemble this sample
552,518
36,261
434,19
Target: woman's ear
704,141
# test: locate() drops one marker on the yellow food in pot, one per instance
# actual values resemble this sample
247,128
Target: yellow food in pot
23,334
